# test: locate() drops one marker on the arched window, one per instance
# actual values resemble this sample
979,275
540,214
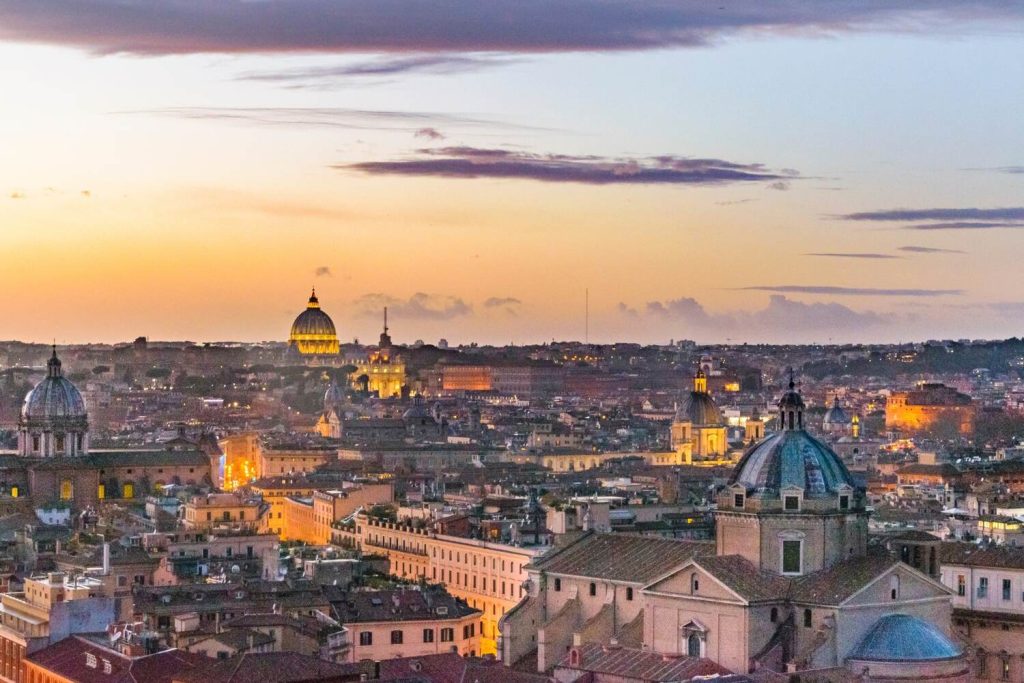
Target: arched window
694,583
894,587
775,614
693,645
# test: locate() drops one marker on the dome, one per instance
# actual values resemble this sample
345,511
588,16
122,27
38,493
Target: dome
313,330
904,638
791,457
836,416
55,401
334,395
699,409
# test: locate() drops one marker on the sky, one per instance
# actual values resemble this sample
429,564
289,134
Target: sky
793,171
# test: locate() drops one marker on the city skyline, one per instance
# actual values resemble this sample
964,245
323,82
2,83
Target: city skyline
799,175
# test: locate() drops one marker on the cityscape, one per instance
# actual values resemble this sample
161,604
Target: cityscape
597,341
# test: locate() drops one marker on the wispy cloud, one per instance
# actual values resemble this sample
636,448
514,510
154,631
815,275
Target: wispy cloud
968,218
322,271
419,306
851,291
377,69
328,117
860,255
1011,170
966,225
914,249
473,162
17,195
156,27
496,301
429,133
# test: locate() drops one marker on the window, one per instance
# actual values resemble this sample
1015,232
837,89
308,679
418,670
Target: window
737,500
791,560
35,444
694,583
428,635
629,592
808,618
844,502
593,588
67,490
775,614
128,490
792,503
558,585
961,585
693,645
982,664
447,635
894,588
101,492
983,587
1004,666
396,637
366,638
1006,589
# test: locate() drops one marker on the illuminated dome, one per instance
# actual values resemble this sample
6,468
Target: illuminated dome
53,419
698,408
313,331
903,638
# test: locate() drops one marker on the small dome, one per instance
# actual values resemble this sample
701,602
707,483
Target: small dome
791,457
699,409
836,416
901,637
55,400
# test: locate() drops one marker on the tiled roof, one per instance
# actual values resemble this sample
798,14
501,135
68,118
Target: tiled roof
744,578
450,667
149,458
1002,556
623,557
640,665
241,639
837,584
399,605
271,667
71,659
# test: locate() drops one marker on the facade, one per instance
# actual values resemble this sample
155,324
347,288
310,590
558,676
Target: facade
789,587
313,332
930,408
293,514
382,373
488,576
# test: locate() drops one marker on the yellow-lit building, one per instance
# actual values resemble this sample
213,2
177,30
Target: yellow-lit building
381,373
313,332
931,408
213,510
698,422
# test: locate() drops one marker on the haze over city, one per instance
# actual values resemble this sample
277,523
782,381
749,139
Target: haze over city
712,171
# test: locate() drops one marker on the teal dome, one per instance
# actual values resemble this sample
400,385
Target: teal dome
791,458
904,638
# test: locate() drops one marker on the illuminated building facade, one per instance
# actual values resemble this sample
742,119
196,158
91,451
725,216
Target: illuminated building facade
381,373
313,332
931,408
698,422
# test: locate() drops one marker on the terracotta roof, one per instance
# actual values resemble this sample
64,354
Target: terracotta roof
239,639
398,604
640,665
450,667
271,667
1003,556
622,557
837,584
744,578
78,659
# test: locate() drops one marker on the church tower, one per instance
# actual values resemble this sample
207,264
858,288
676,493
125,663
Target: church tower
53,421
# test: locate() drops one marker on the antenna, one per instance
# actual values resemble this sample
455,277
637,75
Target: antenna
385,320
586,317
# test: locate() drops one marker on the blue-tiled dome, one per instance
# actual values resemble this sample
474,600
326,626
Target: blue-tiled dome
836,416
791,457
901,637
55,401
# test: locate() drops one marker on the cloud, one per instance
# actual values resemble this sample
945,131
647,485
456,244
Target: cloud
1011,170
496,301
780,318
861,255
851,291
970,218
326,117
322,271
780,185
429,133
965,225
433,64
17,195
913,249
474,162
736,201
420,306
86,193
158,27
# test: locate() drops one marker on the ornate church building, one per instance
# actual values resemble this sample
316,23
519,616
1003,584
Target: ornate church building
792,584
698,424
55,466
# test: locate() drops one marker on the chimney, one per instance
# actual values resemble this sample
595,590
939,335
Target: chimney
106,559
